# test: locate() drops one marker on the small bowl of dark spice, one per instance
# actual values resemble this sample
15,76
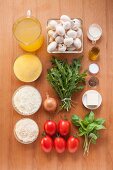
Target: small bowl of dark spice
93,81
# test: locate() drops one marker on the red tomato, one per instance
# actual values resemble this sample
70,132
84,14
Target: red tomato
60,144
46,144
72,144
50,127
64,127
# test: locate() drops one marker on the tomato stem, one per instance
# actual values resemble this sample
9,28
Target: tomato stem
43,134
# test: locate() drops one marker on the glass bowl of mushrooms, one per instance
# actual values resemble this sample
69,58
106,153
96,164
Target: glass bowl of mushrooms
65,35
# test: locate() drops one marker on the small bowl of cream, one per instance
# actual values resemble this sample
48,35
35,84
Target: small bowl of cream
94,33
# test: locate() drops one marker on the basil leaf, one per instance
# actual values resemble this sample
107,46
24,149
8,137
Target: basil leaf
81,132
82,125
96,133
75,120
93,136
90,127
93,141
99,127
86,120
100,121
91,117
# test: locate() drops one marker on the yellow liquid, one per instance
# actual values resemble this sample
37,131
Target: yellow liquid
28,32
27,67
94,53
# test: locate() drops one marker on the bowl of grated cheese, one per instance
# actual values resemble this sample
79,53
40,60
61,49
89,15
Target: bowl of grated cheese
26,131
26,100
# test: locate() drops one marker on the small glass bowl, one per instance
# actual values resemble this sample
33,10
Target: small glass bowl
66,52
15,108
21,140
93,81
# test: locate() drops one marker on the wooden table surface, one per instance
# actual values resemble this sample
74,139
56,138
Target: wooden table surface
15,156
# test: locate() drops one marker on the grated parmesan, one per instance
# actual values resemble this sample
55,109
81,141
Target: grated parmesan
27,100
26,130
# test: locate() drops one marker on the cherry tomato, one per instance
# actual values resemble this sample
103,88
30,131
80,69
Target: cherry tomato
47,144
64,127
50,127
60,144
72,144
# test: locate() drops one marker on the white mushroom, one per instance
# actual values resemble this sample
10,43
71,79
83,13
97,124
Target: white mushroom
48,28
77,43
71,48
60,30
71,33
79,32
52,33
67,25
76,23
65,18
68,41
51,39
59,39
61,47
52,24
52,46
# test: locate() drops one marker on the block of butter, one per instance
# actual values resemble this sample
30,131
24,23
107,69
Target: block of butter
92,99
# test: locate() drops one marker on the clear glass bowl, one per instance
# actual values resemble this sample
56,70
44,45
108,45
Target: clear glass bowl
66,52
21,140
15,108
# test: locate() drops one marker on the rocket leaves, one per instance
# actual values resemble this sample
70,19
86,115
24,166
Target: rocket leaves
66,79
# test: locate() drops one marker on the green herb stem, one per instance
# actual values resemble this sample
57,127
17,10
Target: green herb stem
88,128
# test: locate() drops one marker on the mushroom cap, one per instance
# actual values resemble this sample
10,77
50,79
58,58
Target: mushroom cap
52,24
76,23
67,25
52,33
71,33
68,41
52,46
79,32
61,47
59,39
77,43
65,18
60,30
71,48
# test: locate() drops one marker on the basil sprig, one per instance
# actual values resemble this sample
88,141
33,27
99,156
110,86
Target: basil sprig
88,127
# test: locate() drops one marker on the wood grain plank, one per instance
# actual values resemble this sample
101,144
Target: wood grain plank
15,156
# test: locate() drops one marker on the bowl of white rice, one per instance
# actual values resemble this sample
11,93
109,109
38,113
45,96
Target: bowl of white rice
26,100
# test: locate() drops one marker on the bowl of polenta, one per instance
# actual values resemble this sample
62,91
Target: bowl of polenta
27,67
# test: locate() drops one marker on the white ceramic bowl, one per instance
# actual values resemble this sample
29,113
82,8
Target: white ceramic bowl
84,99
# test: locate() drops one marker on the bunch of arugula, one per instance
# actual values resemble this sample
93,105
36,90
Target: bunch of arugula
88,127
65,79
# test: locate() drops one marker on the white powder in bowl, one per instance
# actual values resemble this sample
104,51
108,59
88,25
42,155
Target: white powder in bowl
26,130
93,68
26,100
